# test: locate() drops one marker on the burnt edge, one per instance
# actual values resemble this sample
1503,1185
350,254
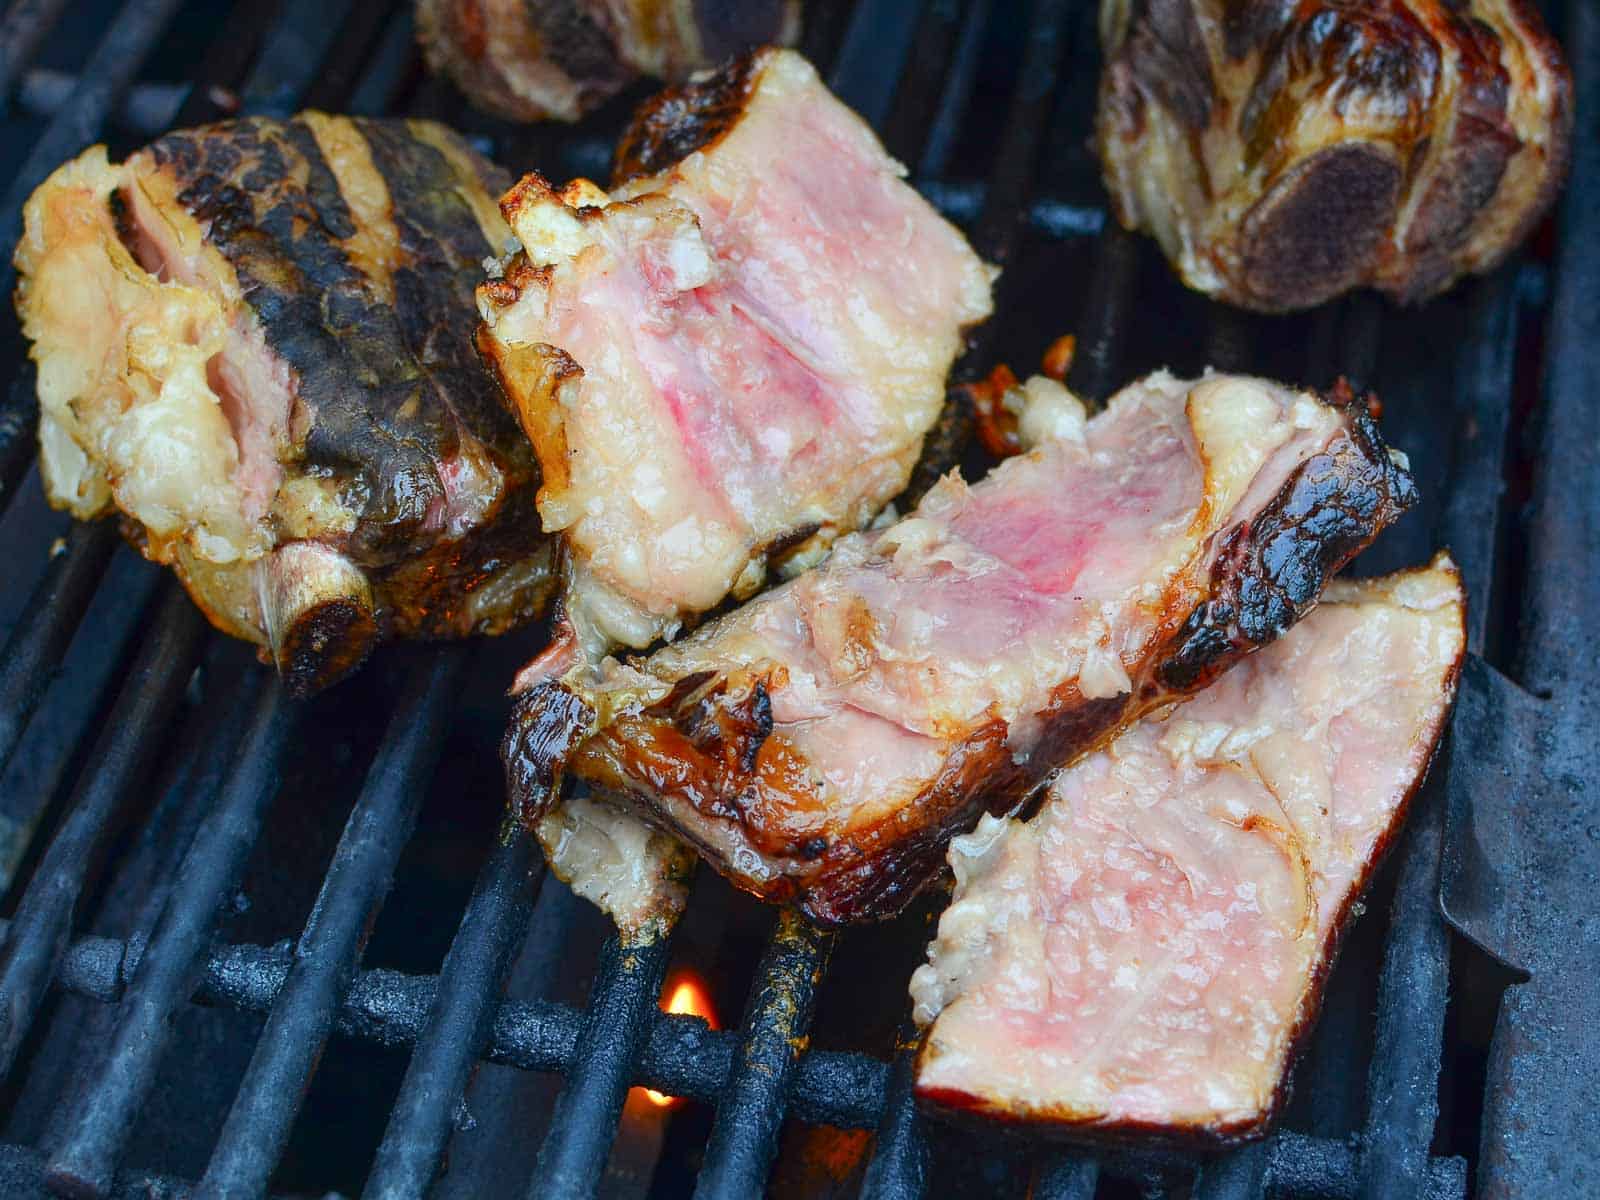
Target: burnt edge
326,644
1271,571
963,1108
547,724
676,122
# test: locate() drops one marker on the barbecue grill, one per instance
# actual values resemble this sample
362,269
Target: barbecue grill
205,992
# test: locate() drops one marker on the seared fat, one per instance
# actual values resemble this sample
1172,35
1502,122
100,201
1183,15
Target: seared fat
733,357
822,744
529,60
254,340
1284,152
1143,956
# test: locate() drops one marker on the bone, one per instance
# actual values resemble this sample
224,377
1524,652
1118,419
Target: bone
319,615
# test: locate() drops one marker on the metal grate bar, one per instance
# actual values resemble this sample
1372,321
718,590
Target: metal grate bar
293,56
227,60
110,69
744,1136
118,762
33,652
460,1022
1469,524
1402,1087
957,94
22,32
919,91
873,56
347,57
169,968
1241,1175
1103,328
1011,180
627,983
18,420
325,959
899,1166
1066,1177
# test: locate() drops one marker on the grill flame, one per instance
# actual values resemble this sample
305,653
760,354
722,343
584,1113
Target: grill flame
689,995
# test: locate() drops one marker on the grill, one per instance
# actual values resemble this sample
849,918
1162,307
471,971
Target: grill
206,993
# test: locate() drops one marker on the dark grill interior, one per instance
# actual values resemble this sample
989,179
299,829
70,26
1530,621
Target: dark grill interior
244,943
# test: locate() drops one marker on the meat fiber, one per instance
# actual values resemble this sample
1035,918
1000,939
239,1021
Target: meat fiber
254,340
733,357
1284,151
1144,955
529,60
821,744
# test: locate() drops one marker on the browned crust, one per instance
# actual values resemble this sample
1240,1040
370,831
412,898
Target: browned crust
1327,218
1272,569
680,120
965,1106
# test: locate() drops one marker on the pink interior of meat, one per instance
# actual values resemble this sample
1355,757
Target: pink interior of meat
1180,893
252,384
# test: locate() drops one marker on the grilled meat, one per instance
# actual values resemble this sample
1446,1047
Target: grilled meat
254,339
1285,151
529,60
1142,957
821,744
733,357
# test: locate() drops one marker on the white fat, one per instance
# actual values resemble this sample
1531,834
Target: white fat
637,876
1049,412
960,949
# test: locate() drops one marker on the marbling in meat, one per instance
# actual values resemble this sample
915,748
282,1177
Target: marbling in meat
1284,151
254,339
1144,954
821,744
733,357
529,60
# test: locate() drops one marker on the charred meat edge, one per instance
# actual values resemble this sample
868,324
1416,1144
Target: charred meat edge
1330,508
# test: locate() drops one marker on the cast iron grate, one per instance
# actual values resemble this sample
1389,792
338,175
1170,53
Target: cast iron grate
1516,804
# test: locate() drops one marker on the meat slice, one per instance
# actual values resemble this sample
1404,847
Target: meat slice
531,60
1283,153
1143,956
254,339
733,357
821,744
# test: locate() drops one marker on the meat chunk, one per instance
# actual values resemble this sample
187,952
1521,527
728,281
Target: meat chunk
254,340
733,357
821,744
1143,956
1285,152
532,60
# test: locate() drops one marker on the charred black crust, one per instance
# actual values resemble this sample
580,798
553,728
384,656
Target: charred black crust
547,723
680,120
386,388
1270,570
326,644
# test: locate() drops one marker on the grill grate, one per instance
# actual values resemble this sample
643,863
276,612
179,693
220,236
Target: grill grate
917,74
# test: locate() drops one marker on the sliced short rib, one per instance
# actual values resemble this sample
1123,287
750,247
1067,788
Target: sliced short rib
254,339
1283,153
733,357
822,744
1144,955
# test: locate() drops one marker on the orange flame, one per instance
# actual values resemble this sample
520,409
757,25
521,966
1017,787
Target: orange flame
688,996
